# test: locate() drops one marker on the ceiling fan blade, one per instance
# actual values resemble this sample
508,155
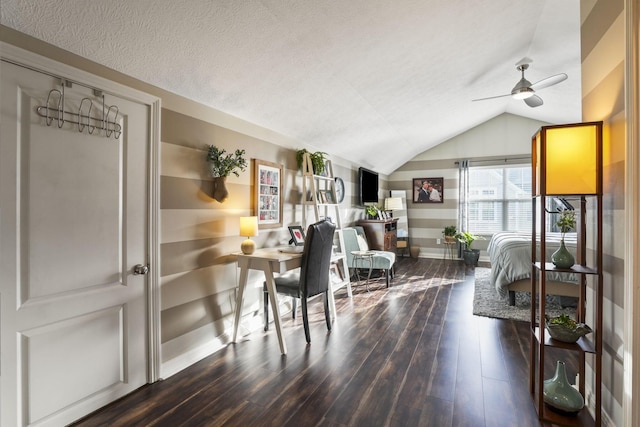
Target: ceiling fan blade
534,101
491,97
549,81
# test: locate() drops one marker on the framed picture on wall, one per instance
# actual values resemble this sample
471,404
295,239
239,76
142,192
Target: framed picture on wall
268,194
428,190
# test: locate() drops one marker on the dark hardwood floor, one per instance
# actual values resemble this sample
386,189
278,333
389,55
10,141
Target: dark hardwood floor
410,355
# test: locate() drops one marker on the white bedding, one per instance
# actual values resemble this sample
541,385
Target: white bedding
510,256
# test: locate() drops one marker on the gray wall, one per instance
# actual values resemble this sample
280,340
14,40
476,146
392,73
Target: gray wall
603,57
200,235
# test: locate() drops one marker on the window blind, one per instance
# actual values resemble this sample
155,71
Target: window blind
499,198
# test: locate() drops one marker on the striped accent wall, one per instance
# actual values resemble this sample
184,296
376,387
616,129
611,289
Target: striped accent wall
603,60
504,136
426,221
199,235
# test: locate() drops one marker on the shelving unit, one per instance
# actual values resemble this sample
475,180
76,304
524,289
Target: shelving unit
319,193
553,177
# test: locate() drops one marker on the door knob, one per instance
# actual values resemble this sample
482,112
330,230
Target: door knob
140,269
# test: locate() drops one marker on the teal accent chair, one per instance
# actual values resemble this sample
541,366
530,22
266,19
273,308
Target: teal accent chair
382,260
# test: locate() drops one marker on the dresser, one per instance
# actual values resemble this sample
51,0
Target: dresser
381,234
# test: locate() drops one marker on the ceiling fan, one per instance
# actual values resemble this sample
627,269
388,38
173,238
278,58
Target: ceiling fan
525,90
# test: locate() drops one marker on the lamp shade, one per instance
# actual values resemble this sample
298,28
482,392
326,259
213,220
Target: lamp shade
248,226
393,203
567,159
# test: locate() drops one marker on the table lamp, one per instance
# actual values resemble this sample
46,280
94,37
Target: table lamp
248,228
393,204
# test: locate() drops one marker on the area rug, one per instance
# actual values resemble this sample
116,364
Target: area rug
487,302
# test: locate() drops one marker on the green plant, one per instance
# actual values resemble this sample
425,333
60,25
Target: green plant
372,211
467,239
450,230
566,221
221,165
317,160
564,320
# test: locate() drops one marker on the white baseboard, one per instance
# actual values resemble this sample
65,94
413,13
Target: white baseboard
590,404
186,351
606,421
177,364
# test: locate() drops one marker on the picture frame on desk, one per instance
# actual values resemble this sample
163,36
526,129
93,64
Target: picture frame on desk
297,235
268,193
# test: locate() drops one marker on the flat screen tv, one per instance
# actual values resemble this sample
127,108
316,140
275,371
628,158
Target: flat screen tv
368,186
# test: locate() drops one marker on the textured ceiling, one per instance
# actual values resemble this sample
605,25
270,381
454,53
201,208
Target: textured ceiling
372,81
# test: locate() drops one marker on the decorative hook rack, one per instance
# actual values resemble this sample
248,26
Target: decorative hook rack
54,110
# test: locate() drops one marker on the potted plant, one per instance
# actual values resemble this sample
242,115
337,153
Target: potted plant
562,258
222,165
469,254
372,212
450,232
317,160
564,328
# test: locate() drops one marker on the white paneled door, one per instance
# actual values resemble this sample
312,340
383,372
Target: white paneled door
73,226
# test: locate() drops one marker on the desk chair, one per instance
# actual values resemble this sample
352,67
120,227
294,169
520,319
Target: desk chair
313,278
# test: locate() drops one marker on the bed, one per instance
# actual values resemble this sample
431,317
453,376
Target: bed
510,256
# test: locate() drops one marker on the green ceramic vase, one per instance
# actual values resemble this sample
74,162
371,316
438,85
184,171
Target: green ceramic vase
559,394
562,258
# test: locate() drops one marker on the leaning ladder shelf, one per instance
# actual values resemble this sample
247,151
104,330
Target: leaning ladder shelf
319,193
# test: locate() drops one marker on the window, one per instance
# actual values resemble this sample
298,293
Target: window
499,199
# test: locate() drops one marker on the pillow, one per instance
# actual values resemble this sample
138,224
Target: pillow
362,243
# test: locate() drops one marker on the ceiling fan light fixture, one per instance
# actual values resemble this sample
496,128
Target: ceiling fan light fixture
522,89
522,93
526,91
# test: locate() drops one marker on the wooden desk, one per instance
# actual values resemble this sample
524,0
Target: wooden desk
270,261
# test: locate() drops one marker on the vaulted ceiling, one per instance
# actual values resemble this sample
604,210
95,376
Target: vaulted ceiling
372,81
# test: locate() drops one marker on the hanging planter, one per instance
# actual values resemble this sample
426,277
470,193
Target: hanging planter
220,192
221,166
